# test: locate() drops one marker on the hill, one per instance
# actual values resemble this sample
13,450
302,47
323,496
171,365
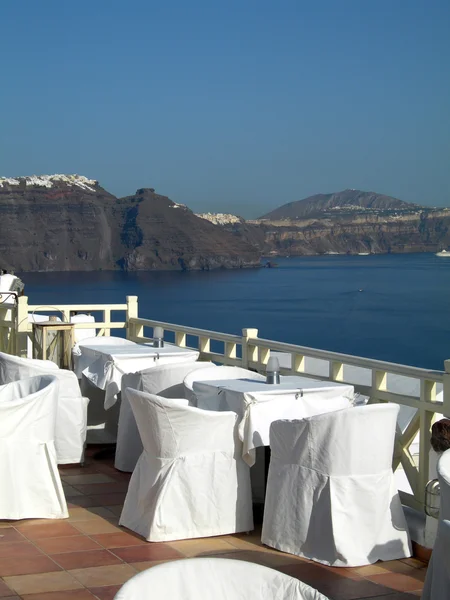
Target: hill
347,201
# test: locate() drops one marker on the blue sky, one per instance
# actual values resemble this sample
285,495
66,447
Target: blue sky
238,105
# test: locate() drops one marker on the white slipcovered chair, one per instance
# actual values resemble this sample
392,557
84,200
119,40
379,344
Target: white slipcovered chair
218,373
218,578
71,418
82,334
437,582
190,481
30,486
331,494
164,380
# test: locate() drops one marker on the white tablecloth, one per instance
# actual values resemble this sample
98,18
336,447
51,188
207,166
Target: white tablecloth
104,364
258,404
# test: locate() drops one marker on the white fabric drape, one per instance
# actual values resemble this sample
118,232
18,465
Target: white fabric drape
215,578
331,493
162,380
71,419
30,486
220,372
437,582
258,404
104,364
190,481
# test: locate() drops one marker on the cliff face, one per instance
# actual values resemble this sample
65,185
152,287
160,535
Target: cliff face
160,234
63,223
426,231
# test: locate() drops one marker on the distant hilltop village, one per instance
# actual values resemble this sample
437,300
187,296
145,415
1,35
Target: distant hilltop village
70,223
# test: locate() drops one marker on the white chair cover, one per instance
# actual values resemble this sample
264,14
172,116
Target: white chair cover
219,373
437,582
71,419
331,494
30,486
218,578
190,481
83,334
164,380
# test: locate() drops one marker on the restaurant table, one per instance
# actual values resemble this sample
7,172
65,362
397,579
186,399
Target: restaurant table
258,403
104,364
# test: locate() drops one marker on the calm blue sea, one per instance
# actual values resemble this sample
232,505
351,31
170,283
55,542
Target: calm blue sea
401,315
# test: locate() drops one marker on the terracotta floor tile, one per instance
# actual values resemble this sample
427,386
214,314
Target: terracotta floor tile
9,534
147,564
395,596
26,565
102,488
312,573
102,511
117,510
95,526
47,530
18,550
105,592
81,560
74,543
375,569
151,551
351,589
44,582
201,546
85,479
398,581
108,499
67,595
120,539
82,501
414,562
100,576
80,513
70,491
5,591
15,597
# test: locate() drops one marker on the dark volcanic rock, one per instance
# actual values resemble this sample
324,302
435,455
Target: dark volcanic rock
166,235
68,222
339,202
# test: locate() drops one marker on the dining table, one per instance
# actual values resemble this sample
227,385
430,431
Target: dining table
258,403
104,361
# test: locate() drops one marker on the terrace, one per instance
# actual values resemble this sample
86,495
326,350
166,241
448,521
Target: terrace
89,555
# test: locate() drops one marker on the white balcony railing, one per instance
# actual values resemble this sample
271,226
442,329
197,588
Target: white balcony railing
424,393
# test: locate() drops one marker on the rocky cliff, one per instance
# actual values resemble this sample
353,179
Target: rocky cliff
69,222
350,221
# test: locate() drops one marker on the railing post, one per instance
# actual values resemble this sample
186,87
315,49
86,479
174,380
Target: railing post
132,313
249,351
22,326
446,406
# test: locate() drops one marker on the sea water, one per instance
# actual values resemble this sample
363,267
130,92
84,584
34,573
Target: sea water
389,307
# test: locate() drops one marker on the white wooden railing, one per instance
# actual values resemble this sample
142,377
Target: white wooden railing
248,350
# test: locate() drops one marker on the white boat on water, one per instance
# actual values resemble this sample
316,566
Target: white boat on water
443,253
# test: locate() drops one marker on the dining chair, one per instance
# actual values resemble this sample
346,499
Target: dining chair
190,480
163,380
30,482
331,494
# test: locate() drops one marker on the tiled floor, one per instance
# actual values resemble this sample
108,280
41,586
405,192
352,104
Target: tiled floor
89,556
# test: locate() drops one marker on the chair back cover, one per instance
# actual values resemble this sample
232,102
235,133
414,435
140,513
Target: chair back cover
437,582
71,420
190,480
164,380
218,578
331,494
30,482
82,334
218,372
